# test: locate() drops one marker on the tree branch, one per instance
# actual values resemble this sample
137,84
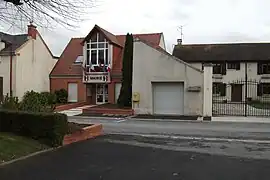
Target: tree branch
45,13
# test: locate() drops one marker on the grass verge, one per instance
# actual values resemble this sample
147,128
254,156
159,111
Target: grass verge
13,146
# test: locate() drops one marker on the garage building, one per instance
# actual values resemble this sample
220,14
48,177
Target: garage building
165,84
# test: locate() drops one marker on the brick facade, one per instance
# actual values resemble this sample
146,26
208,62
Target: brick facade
59,83
83,96
67,68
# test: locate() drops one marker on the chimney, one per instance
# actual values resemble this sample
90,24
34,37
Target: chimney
32,31
179,41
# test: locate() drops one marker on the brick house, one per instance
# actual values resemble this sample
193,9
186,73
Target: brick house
90,68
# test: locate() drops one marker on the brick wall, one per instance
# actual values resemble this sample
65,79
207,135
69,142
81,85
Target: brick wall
59,83
86,133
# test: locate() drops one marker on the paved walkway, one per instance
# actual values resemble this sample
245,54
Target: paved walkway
100,160
76,111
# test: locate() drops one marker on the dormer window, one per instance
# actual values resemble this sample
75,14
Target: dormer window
97,50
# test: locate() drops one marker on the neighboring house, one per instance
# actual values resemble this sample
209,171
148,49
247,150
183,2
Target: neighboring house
25,63
164,83
231,64
90,68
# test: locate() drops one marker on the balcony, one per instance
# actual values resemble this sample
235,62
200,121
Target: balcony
96,77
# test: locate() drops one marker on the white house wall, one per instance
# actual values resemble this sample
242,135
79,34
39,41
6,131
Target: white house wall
239,75
33,67
151,65
5,73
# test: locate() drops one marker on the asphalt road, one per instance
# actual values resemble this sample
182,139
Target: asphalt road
256,131
103,160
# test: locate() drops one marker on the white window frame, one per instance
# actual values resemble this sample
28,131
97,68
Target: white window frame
104,94
97,49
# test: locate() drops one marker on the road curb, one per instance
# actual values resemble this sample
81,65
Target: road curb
28,156
213,139
131,118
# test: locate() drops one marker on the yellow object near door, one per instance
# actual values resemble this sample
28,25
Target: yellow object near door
136,97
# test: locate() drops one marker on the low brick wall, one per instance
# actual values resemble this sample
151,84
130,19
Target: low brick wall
108,111
69,106
86,133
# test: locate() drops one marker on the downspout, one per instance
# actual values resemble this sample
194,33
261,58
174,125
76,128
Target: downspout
10,71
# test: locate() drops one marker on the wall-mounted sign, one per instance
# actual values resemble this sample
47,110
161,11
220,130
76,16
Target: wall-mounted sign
96,78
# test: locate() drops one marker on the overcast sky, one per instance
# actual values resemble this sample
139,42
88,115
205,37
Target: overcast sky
204,21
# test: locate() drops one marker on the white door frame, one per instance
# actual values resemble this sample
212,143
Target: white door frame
104,93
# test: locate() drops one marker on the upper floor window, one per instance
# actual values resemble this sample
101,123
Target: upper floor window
233,65
263,68
219,68
97,50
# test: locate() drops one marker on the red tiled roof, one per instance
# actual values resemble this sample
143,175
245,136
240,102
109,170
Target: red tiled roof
65,65
151,38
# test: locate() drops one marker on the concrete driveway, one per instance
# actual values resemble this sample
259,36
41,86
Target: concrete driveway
100,159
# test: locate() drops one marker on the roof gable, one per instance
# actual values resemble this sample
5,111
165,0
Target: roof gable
109,36
161,50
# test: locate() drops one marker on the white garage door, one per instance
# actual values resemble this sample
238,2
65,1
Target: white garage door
72,92
168,98
117,91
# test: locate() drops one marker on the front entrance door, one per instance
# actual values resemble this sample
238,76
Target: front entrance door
102,93
236,95
1,89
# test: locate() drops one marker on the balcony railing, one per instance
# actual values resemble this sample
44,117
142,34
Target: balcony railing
96,77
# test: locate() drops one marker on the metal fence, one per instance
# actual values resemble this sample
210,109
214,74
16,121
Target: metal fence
241,98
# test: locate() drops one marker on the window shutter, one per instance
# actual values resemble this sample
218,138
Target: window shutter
223,89
259,89
237,66
223,69
259,68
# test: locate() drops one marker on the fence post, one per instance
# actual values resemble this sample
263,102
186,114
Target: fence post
207,91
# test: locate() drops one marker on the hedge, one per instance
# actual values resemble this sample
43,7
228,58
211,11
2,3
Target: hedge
49,129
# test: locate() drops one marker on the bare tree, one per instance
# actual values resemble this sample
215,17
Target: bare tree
45,13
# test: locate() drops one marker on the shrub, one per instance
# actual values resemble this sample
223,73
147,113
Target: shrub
61,96
38,102
49,129
48,100
10,102
31,102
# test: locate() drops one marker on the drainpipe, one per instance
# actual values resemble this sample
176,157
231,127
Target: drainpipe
10,71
